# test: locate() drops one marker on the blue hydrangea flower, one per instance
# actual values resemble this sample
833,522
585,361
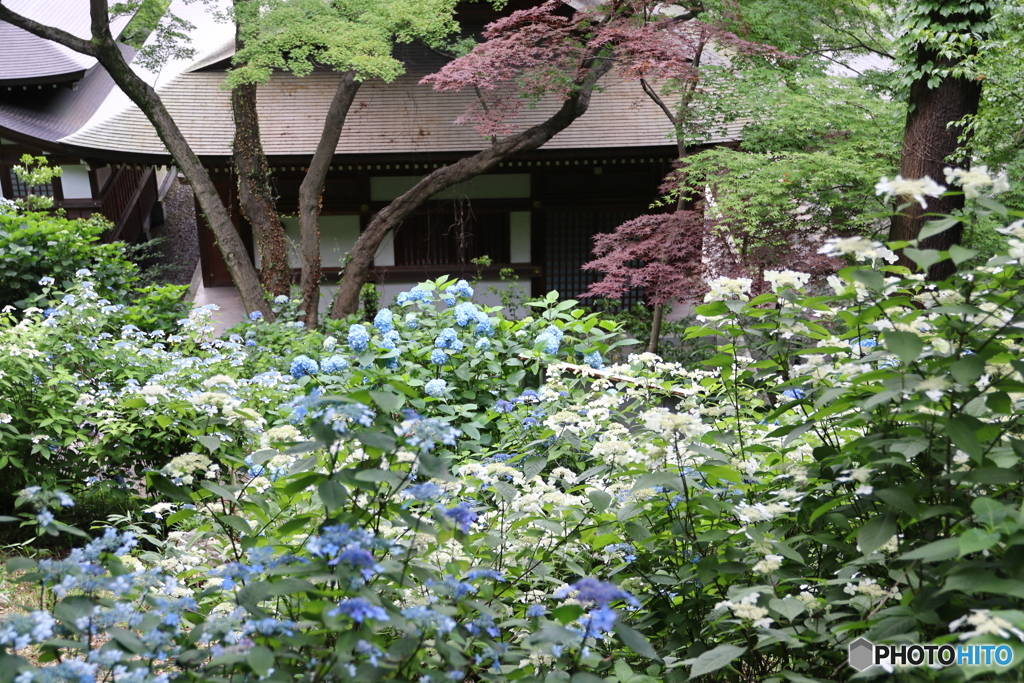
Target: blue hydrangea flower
424,617
446,337
484,328
425,433
483,344
592,591
281,299
594,360
435,388
452,586
302,366
598,621
536,611
438,357
460,515
461,288
358,338
384,321
46,281
414,294
359,610
334,365
465,313
484,573
551,338
411,322
793,393
425,491
256,315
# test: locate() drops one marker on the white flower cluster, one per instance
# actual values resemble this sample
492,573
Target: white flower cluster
761,512
726,288
748,610
985,624
786,279
904,187
769,564
674,425
186,467
871,589
860,248
975,180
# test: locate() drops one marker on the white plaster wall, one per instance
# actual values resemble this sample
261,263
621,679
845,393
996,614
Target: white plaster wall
337,236
385,255
519,236
75,181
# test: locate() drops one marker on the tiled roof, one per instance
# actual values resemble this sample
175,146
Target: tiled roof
51,113
400,117
26,57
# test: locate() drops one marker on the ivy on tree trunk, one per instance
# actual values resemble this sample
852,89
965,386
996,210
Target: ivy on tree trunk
940,99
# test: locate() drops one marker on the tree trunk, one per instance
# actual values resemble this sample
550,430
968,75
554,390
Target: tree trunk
105,50
659,314
931,136
255,194
311,192
361,256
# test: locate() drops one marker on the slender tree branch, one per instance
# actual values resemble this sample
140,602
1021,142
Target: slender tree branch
48,32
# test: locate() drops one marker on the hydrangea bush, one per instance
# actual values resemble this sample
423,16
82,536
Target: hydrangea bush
406,505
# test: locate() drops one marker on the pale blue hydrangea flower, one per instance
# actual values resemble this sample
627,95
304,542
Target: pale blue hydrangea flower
435,388
438,357
302,366
465,313
461,288
384,321
484,328
358,338
334,364
594,360
483,344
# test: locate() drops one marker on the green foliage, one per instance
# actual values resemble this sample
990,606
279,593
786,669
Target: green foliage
345,35
809,166
845,465
36,172
37,245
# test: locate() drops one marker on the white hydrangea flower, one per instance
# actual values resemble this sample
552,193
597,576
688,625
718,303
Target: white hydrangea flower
904,187
768,565
986,623
725,288
974,180
783,279
861,248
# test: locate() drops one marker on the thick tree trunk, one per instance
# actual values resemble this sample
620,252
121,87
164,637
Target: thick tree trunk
105,50
361,256
931,138
311,191
255,194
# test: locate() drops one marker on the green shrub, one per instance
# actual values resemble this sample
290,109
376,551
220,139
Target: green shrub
38,245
